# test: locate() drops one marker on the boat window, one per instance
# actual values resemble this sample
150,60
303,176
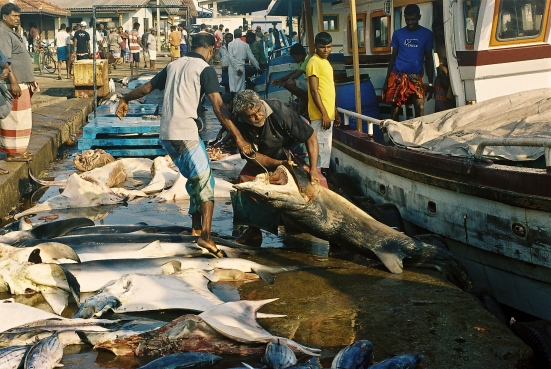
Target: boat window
361,22
380,32
331,22
470,11
521,19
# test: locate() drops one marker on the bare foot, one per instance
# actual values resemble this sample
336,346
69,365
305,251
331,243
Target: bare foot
211,246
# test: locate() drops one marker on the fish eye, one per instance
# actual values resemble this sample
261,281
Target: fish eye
267,193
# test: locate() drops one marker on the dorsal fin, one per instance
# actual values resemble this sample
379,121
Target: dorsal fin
59,228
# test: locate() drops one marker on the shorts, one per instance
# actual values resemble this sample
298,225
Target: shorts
62,53
192,160
174,51
153,55
325,138
83,56
225,78
183,49
116,54
136,57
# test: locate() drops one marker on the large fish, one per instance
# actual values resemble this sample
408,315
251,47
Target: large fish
187,360
80,192
36,235
327,215
46,354
48,252
52,280
229,328
358,355
12,357
163,175
403,361
186,290
93,275
178,190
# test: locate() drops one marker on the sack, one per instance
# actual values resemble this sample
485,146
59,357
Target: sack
6,101
145,37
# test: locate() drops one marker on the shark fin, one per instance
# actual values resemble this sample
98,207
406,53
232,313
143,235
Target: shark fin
391,260
171,267
266,275
51,251
59,228
154,249
56,298
34,257
54,275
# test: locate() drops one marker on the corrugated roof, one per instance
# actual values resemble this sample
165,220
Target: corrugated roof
240,6
39,7
81,5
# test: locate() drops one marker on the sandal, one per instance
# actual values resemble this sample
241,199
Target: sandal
25,157
59,78
3,171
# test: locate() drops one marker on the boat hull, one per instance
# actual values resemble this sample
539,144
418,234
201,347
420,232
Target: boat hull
502,236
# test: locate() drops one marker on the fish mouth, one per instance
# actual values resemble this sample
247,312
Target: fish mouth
279,176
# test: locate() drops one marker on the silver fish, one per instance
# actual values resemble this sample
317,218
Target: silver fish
278,356
46,354
11,357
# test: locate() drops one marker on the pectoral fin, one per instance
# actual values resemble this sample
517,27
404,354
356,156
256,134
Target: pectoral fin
56,298
265,274
391,260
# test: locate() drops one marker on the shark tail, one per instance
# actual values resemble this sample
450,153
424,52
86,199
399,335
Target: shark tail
58,228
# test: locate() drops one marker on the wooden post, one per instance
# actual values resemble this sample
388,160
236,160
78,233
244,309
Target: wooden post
58,23
309,27
120,20
320,15
356,62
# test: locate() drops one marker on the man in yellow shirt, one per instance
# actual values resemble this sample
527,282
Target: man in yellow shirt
174,37
322,107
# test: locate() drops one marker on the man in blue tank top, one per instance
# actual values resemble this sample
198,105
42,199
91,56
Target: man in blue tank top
411,48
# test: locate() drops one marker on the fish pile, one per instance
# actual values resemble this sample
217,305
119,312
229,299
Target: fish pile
216,153
128,269
104,185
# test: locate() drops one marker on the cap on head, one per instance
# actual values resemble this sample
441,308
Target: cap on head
83,24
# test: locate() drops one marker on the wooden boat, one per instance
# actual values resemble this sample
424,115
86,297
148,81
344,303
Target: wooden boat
495,215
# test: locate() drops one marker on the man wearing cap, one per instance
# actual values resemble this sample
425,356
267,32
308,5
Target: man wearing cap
178,131
151,43
81,41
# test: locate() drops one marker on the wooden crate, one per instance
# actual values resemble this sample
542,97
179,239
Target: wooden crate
132,136
83,77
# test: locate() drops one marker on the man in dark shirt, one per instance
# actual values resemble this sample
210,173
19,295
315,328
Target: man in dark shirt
274,129
81,41
178,132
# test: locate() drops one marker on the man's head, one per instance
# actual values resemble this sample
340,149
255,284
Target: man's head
258,28
250,37
221,27
203,43
83,25
250,108
180,27
203,27
215,28
11,15
240,28
227,99
101,26
153,31
237,33
136,26
412,15
120,30
298,53
324,44
173,28
228,37
62,27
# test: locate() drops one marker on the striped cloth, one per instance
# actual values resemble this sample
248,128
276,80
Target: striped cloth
15,129
401,86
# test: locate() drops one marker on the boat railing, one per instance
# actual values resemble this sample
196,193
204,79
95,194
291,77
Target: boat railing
370,121
519,141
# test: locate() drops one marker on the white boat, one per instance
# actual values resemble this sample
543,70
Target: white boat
494,213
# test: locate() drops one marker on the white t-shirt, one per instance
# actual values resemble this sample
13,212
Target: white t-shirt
62,38
183,38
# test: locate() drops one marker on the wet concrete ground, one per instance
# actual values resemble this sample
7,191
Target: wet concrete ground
414,312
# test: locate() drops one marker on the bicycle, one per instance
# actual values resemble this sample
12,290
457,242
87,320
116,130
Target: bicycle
46,61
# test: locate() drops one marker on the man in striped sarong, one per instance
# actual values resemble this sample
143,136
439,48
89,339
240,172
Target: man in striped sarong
15,129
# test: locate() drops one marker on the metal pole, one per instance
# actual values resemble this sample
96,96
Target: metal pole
94,60
158,36
356,64
290,21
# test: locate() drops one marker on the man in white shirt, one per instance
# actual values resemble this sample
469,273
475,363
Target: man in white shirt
183,40
152,48
62,39
238,51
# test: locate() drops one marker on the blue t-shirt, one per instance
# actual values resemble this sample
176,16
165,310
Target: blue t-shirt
411,47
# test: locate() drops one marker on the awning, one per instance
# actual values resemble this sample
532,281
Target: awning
39,7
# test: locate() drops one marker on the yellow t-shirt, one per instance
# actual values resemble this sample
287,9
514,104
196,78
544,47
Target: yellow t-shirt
322,69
